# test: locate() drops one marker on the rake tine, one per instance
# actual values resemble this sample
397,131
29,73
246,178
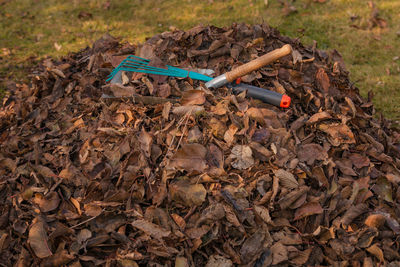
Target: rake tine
150,70
173,74
153,70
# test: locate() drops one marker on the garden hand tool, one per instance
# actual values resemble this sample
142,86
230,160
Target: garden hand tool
137,64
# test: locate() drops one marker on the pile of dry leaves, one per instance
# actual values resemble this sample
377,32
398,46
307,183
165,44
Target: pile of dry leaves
164,172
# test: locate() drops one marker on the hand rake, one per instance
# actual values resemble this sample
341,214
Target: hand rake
138,64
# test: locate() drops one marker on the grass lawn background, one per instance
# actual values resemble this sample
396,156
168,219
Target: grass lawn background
33,29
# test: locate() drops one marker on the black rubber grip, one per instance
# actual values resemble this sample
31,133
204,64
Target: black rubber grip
262,94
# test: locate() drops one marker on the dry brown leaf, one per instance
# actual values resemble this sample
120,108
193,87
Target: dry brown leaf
286,179
179,221
221,108
48,202
60,258
375,220
383,189
83,235
293,197
181,262
311,152
186,193
45,171
324,234
366,237
263,213
92,210
251,247
323,80
261,114
279,253
218,128
145,140
242,157
119,90
301,257
319,174
229,135
260,151
338,133
191,157
151,229
320,116
353,212
193,97
377,252
359,161
220,261
189,109
261,136
308,209
37,239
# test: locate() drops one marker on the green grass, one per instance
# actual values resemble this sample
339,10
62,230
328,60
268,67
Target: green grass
30,28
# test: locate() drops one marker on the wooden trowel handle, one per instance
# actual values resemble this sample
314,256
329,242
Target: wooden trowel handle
258,62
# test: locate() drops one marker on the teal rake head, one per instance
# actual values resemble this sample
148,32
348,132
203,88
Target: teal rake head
137,64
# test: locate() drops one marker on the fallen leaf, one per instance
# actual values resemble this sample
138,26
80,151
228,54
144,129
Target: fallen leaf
230,134
179,221
320,116
377,252
48,202
119,90
359,161
323,80
191,157
189,109
151,229
286,179
181,262
338,133
263,213
242,157
218,128
251,246
279,253
193,97
383,189
311,152
60,258
301,257
308,209
186,193
353,212
217,260
37,239
375,220
145,140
